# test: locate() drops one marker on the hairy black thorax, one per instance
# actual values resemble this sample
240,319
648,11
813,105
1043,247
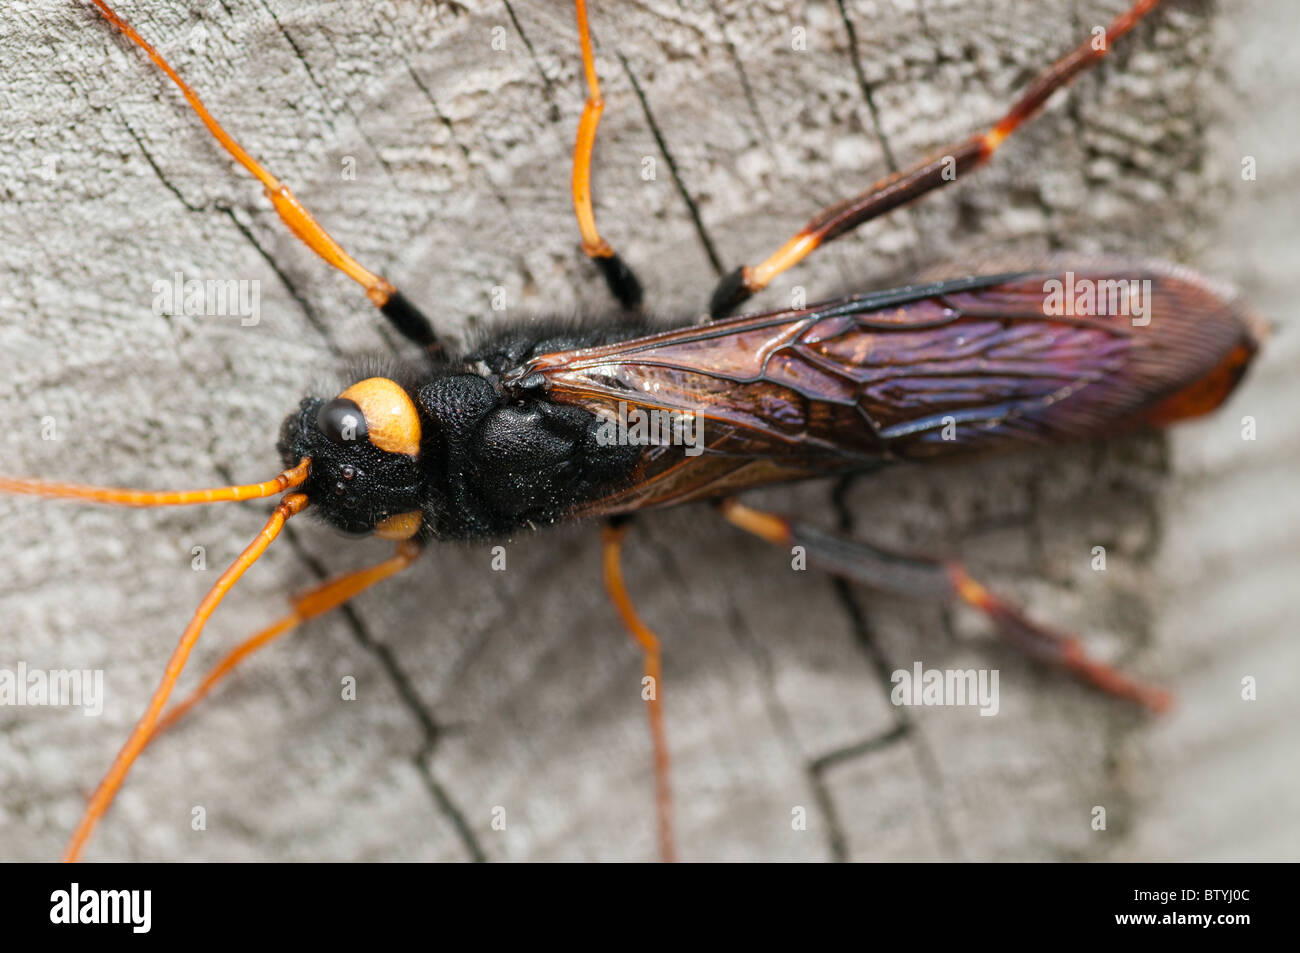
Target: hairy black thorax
490,461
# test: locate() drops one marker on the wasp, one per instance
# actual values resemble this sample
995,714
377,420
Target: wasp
557,421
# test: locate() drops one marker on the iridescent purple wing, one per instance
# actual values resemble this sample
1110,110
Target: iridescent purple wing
963,366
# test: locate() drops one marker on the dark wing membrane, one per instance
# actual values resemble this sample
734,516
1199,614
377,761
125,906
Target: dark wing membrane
962,366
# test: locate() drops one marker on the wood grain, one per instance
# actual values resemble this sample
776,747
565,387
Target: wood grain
516,690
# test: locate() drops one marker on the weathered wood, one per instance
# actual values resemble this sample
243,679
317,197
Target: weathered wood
517,690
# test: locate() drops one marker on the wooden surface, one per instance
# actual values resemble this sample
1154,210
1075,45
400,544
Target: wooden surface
516,690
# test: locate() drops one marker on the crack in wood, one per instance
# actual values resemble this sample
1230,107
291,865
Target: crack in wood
547,85
430,730
692,209
865,86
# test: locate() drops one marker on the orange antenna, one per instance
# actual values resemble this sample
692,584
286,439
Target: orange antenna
287,480
144,728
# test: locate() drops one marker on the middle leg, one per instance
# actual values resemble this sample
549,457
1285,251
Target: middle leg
612,541
622,282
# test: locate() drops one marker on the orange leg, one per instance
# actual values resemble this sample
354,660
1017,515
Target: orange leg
404,316
612,540
923,577
623,284
140,735
316,601
926,176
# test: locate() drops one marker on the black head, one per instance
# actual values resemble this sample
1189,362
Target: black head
364,447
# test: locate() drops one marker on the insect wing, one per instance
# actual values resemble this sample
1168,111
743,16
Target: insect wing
954,367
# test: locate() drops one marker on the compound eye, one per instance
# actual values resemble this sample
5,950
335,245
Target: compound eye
342,421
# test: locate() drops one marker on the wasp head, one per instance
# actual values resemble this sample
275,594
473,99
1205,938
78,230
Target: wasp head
364,447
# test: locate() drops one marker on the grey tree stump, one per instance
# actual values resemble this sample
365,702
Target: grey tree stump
434,142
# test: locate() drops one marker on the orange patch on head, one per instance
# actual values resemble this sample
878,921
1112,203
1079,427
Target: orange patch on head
401,526
392,422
